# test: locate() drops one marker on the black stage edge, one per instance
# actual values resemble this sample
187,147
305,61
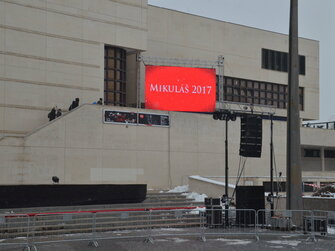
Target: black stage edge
21,196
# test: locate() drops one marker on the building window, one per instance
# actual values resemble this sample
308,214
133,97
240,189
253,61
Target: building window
312,153
277,186
309,187
257,92
278,61
326,183
329,153
115,76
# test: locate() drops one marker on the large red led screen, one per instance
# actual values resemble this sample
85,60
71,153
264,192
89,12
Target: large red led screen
180,88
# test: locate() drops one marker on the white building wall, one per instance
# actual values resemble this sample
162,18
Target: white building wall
79,148
52,51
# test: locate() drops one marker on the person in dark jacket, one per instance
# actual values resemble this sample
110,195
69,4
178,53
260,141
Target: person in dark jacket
52,114
59,113
75,103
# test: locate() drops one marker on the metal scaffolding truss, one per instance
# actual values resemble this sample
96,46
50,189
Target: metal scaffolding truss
197,63
214,64
248,108
147,60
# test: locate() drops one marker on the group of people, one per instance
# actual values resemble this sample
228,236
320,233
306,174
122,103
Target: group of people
75,103
56,112
99,102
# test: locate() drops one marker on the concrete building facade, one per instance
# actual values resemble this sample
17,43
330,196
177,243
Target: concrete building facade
52,51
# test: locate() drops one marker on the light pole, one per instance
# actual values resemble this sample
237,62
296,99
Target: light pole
225,115
271,164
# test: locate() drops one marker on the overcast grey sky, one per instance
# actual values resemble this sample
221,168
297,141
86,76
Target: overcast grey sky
316,21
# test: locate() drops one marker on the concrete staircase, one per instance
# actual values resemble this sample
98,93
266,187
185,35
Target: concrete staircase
151,213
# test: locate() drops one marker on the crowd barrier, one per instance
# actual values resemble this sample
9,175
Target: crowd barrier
31,230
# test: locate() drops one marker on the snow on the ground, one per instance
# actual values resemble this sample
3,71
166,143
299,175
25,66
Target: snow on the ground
197,210
189,195
319,197
331,230
195,196
276,247
235,241
286,242
171,229
179,189
178,240
161,240
20,237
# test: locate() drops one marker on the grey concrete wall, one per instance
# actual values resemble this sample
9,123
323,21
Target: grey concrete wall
329,164
311,164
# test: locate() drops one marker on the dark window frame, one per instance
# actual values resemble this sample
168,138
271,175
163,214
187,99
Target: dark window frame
264,93
312,153
278,61
329,153
115,76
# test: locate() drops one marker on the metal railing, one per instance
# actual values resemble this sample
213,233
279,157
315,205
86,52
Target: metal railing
320,125
31,230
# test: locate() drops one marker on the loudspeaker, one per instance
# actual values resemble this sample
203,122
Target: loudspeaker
212,201
249,197
214,216
213,212
251,136
320,224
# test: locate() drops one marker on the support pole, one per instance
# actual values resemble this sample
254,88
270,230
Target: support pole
271,164
138,82
226,175
294,190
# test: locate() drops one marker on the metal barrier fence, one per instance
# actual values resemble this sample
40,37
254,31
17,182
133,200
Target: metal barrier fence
292,222
30,230
221,222
324,223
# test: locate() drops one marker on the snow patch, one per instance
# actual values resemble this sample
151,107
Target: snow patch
171,229
319,197
20,238
197,210
179,240
331,230
197,177
276,247
160,240
121,232
235,241
290,243
195,196
179,189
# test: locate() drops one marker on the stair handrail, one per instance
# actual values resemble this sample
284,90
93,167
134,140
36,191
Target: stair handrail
66,113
